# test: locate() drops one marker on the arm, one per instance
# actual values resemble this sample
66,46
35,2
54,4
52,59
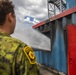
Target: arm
25,63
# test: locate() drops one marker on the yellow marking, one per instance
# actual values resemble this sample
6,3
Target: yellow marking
30,54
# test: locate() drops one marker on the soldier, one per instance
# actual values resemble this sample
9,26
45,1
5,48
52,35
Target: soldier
16,58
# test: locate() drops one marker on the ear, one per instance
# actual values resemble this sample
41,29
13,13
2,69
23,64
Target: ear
9,16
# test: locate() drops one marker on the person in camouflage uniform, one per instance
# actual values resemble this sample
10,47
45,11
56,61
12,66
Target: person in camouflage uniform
16,58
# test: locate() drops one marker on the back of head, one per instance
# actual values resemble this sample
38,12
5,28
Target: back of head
6,7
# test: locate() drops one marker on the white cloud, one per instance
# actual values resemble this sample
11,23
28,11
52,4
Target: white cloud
36,20
31,20
27,19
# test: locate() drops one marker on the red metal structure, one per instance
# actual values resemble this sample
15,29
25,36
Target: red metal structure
71,32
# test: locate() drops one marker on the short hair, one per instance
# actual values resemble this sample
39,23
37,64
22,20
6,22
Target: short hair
6,7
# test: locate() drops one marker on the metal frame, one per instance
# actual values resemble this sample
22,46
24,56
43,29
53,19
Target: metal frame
55,7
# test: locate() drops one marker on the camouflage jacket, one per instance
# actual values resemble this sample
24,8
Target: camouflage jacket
16,58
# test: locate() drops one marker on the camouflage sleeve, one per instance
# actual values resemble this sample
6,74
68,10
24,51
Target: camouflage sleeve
25,62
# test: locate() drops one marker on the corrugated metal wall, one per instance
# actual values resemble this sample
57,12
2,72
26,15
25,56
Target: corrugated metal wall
70,3
57,57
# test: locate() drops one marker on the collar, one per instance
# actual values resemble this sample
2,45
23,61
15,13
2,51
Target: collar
4,34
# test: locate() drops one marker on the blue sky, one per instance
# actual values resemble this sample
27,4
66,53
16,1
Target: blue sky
30,12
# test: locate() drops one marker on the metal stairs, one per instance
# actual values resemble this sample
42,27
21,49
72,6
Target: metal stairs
60,4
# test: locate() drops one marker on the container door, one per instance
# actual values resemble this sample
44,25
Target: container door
71,34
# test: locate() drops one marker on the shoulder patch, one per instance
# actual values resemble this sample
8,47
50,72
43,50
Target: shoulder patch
30,54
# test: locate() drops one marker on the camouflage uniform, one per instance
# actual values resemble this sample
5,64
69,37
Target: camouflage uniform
16,58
